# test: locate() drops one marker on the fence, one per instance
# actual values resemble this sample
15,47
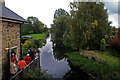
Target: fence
34,64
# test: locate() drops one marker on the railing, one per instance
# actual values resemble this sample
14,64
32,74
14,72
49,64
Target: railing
26,67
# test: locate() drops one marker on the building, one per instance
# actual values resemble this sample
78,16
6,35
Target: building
10,31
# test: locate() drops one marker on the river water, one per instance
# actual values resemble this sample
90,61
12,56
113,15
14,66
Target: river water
57,67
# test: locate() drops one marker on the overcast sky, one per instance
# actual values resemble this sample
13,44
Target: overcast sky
44,9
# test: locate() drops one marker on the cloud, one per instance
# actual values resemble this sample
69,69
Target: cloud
114,19
112,7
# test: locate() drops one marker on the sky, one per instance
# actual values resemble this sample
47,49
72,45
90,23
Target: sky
44,9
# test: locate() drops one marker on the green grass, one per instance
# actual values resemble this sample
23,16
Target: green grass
36,36
108,57
100,69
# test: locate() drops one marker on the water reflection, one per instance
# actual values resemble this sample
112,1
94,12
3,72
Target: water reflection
59,50
53,61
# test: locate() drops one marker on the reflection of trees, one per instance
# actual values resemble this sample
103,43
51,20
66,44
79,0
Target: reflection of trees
58,50
75,73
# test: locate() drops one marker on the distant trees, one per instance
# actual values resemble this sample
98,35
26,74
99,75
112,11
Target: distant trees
34,26
84,28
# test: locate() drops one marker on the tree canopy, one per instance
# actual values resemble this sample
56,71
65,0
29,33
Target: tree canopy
84,28
34,26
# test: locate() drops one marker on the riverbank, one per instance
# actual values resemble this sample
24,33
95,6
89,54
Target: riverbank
96,69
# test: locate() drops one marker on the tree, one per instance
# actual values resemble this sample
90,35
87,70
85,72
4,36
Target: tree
45,28
60,23
60,12
89,25
34,26
37,26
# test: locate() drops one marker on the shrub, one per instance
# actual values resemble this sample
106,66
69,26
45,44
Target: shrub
37,75
102,44
37,43
93,58
27,44
101,70
116,42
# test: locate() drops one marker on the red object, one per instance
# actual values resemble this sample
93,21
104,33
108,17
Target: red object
22,64
27,59
14,58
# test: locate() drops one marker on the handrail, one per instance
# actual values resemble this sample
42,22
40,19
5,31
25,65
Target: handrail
25,67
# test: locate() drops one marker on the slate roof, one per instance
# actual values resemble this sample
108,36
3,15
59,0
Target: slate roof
6,13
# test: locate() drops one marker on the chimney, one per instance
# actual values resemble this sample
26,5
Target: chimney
2,2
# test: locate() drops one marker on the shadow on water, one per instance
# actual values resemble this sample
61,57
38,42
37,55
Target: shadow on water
76,74
59,50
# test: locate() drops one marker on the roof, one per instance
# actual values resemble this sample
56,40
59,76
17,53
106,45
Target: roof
6,13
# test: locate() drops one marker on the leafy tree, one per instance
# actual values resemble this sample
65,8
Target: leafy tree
45,28
60,12
60,23
34,26
89,25
37,26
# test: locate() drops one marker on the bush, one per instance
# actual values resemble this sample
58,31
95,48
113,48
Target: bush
37,75
102,44
93,58
116,42
37,43
28,44
101,70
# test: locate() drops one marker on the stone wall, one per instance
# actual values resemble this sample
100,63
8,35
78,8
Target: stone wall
0,50
10,38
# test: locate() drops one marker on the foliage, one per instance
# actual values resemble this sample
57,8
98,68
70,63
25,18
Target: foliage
27,44
108,57
36,43
34,26
89,25
45,29
60,12
116,40
100,70
37,75
102,44
85,28
36,36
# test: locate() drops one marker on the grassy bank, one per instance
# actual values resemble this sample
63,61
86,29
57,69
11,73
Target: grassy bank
36,36
108,57
99,70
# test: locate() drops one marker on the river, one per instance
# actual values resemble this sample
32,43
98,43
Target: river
53,60
57,67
